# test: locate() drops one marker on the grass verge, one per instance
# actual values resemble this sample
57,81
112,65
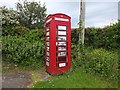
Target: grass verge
75,79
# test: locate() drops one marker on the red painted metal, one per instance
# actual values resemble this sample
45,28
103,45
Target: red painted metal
57,57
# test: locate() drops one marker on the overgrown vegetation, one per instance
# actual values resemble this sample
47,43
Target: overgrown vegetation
21,44
108,37
99,55
14,30
24,50
99,61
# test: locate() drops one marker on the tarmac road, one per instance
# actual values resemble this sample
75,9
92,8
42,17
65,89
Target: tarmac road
16,80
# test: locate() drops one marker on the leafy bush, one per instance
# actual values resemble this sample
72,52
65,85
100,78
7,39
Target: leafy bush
34,35
20,30
100,62
107,37
75,36
14,30
7,30
21,51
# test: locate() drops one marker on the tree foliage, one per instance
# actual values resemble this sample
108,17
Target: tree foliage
9,16
32,14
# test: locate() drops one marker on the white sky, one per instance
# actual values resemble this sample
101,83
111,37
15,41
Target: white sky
98,13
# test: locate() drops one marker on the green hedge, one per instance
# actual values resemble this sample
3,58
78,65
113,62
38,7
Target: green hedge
24,50
14,30
99,61
108,37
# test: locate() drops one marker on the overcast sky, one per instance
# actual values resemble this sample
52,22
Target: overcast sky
98,13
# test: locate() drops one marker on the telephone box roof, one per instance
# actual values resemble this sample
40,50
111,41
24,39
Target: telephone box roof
58,14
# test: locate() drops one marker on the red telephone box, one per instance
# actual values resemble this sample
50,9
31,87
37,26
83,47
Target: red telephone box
57,43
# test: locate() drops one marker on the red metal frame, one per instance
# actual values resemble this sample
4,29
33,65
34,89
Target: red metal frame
54,62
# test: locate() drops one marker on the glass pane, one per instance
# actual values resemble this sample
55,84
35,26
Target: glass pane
61,53
61,48
48,54
47,43
47,38
61,38
56,43
47,29
48,48
47,33
47,58
61,58
61,43
47,63
61,33
62,64
62,28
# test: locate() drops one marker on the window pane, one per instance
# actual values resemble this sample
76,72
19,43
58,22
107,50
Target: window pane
47,29
47,58
62,64
61,48
48,48
61,58
61,53
47,33
48,54
47,38
61,43
47,63
47,43
61,33
61,38
62,28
